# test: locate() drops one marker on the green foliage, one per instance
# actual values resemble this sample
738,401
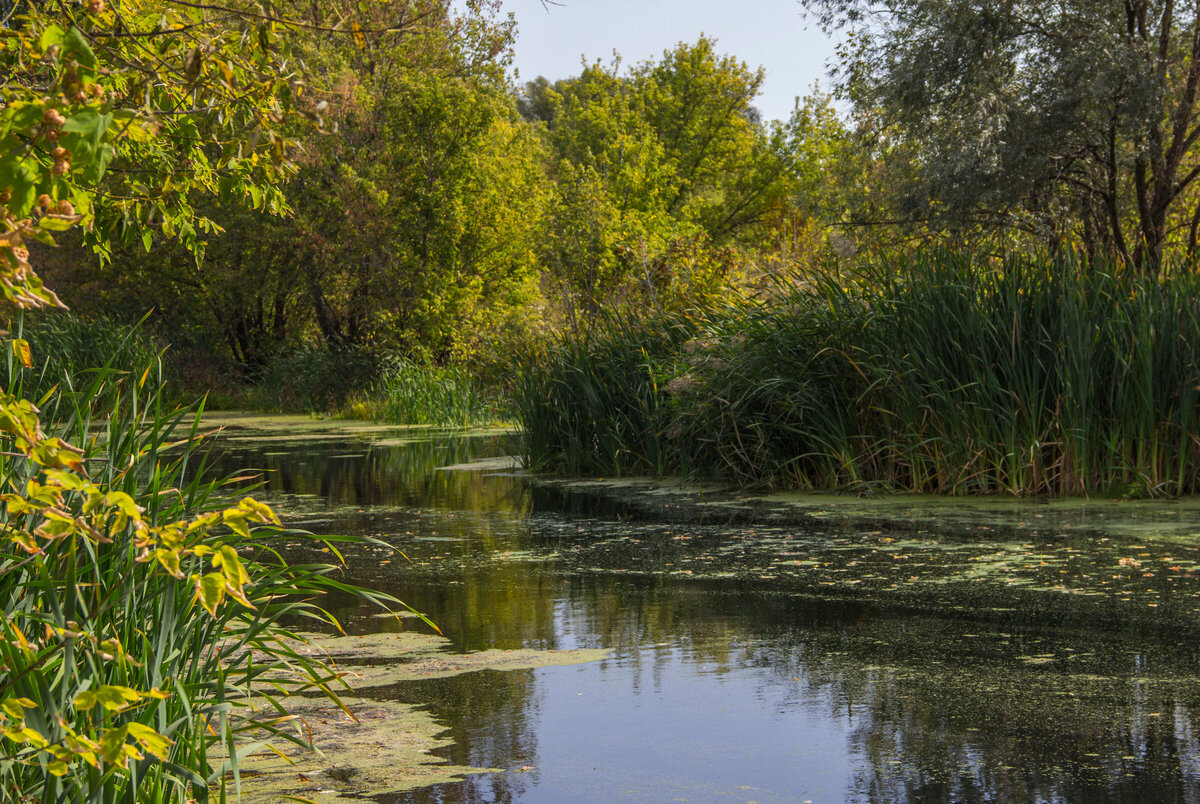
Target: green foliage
140,643
670,153
114,680
938,375
70,349
1073,121
591,404
412,214
316,379
411,393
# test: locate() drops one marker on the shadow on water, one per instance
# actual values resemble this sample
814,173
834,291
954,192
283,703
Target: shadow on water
767,662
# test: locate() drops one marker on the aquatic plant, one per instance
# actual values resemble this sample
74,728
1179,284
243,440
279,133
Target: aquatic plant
591,403
140,609
940,374
414,393
69,348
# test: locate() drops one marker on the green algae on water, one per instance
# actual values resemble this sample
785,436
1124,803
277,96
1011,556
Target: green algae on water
382,746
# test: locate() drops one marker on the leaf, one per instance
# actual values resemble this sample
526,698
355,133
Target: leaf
90,128
53,35
169,559
15,707
112,745
192,65
112,697
124,503
21,178
58,223
150,740
21,350
236,520
75,45
27,115
210,590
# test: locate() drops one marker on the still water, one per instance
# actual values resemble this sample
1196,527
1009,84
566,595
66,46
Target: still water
889,654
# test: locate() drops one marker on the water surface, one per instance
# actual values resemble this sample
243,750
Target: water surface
900,652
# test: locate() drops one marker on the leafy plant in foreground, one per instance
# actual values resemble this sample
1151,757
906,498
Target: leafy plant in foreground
138,611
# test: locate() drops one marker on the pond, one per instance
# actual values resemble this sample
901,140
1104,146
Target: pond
778,649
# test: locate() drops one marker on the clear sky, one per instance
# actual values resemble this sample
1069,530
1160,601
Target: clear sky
773,34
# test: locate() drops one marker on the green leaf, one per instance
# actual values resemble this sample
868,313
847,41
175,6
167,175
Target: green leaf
112,745
89,123
27,115
75,45
94,172
21,178
226,186
53,35
55,224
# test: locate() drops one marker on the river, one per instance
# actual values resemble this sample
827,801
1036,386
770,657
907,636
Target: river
793,650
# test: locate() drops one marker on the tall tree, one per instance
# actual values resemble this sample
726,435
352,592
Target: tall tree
408,220
1077,120
666,153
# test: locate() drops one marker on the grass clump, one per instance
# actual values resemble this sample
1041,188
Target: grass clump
592,402
360,382
943,375
414,393
71,350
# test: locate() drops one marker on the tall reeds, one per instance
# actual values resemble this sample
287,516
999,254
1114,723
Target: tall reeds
591,403
102,648
943,375
409,392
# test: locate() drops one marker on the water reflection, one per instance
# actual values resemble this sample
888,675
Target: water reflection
763,663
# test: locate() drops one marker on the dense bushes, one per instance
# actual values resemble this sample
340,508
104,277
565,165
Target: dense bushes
940,375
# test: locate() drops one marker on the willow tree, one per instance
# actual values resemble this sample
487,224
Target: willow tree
1077,120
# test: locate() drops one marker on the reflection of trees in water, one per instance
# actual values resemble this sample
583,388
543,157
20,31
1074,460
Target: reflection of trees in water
1025,737
489,714
932,713
937,716
360,473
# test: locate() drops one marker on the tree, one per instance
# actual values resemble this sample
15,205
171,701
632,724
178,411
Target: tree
408,219
1075,120
651,162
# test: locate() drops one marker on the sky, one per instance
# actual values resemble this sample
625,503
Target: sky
773,34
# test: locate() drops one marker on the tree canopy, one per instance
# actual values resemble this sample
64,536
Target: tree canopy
1076,121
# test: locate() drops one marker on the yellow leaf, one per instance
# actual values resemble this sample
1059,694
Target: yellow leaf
210,590
170,561
21,350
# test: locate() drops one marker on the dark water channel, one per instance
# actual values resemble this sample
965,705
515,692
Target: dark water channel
1012,657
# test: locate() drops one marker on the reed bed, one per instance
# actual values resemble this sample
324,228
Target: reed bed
414,393
941,374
